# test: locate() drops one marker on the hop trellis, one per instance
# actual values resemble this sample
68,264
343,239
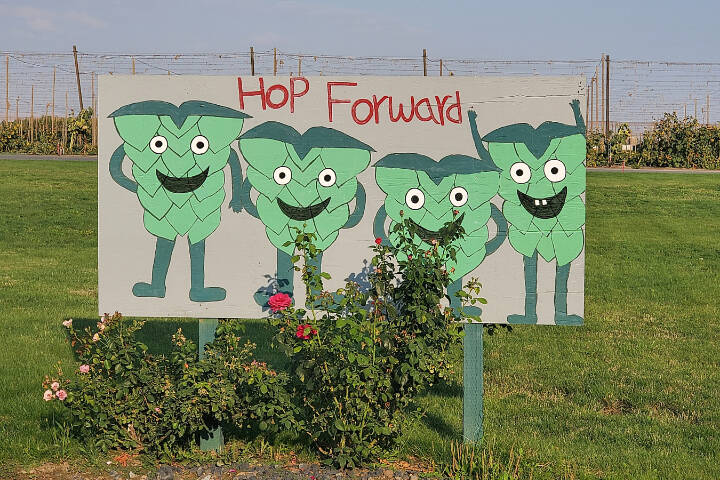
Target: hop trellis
640,91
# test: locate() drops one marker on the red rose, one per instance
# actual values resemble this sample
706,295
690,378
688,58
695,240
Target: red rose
305,331
279,302
378,241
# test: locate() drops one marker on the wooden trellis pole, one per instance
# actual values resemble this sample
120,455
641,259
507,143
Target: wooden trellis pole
7,88
77,77
52,121
252,61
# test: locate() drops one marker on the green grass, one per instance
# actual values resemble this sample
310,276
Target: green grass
633,394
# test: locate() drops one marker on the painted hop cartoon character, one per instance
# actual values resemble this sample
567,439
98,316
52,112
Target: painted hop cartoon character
178,155
457,189
543,176
305,181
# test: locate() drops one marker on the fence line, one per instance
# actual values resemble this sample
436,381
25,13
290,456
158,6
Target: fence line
640,91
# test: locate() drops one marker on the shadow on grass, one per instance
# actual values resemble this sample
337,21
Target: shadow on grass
446,390
440,426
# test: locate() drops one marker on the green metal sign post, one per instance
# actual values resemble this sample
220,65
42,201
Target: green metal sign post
206,334
473,383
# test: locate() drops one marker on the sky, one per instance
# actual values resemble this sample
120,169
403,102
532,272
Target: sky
513,30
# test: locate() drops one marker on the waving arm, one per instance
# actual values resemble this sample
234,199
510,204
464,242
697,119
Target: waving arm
359,211
502,230
236,203
379,225
246,200
579,121
481,150
116,170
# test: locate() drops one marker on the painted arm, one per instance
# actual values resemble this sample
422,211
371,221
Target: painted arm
116,172
236,203
246,200
379,225
575,104
481,150
359,211
502,230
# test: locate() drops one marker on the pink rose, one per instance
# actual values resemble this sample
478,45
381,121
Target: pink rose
84,368
101,326
48,395
61,395
95,337
67,323
279,302
55,386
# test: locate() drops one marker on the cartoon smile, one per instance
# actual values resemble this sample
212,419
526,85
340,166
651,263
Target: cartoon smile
543,207
428,236
303,213
182,184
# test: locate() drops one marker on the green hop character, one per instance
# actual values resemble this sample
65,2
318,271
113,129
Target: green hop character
543,176
178,155
304,181
457,189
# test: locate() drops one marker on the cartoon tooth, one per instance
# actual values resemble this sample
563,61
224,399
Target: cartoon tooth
546,163
304,181
178,156
458,188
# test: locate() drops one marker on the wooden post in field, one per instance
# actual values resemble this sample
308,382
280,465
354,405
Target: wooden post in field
441,67
77,77
597,101
206,334
274,61
607,96
299,65
424,62
7,87
17,109
52,121
93,118
133,65
707,111
32,113
252,61
587,106
602,91
65,127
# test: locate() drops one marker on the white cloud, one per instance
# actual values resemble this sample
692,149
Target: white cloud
47,20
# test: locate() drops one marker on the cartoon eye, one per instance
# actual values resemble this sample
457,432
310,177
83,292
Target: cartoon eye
555,170
327,177
282,175
458,196
158,144
415,198
520,172
199,145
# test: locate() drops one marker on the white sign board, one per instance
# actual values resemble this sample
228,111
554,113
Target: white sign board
202,180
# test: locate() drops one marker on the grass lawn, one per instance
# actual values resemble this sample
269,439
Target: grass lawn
633,394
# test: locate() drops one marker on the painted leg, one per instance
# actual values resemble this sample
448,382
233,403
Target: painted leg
163,253
561,316
530,316
284,277
456,302
198,291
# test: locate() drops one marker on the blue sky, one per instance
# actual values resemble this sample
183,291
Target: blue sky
678,31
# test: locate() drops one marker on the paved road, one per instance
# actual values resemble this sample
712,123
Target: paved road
93,158
649,170
65,158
